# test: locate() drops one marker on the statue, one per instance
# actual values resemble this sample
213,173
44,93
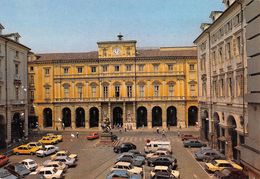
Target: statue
106,126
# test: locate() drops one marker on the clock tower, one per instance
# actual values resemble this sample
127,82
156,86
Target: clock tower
116,49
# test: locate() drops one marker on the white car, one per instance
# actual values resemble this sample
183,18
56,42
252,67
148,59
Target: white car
56,164
29,164
50,172
127,166
158,153
48,149
156,169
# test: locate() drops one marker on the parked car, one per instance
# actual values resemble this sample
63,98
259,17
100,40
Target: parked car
50,173
47,140
218,165
124,147
92,136
188,137
163,161
156,169
137,160
117,174
56,164
35,176
3,160
193,143
153,146
163,175
208,155
158,153
64,153
25,149
48,149
36,144
59,137
114,137
71,162
18,168
5,174
230,173
127,166
29,164
136,152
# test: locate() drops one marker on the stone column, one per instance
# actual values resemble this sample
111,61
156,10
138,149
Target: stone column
181,115
124,114
164,116
86,117
149,117
8,119
73,117
99,116
134,116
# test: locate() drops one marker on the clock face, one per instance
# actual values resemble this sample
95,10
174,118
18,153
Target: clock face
116,51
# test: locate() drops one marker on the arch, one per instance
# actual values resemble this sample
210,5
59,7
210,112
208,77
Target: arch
141,119
205,124
80,117
2,131
47,117
231,123
117,116
192,116
171,116
93,117
66,117
17,126
156,116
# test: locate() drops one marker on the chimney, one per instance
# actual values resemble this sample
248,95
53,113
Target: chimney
120,36
204,26
215,14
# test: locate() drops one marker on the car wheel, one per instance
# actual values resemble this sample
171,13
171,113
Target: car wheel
17,153
32,153
189,146
52,143
54,178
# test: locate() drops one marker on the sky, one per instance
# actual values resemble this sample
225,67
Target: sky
48,26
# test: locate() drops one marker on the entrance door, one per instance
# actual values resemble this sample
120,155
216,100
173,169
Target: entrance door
171,116
156,116
47,117
192,116
66,117
141,117
80,117
93,117
117,116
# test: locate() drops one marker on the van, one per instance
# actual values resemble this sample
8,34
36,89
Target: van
153,146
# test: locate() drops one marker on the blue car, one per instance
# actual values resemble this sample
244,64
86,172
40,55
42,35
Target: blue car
122,174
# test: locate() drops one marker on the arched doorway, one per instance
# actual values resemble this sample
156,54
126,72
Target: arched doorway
66,117
192,116
47,117
80,117
156,116
216,128
2,132
141,117
171,116
205,124
17,126
117,116
231,122
93,117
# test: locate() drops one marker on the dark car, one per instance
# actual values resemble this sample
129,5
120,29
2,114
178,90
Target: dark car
124,147
193,143
208,155
163,175
17,168
114,137
5,174
122,174
163,161
230,173
136,153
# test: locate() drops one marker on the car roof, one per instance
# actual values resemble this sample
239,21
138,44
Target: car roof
50,162
24,145
46,146
159,142
222,161
62,151
28,160
46,168
123,163
160,167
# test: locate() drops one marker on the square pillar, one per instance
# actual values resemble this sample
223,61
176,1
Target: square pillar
181,122
149,117
73,118
86,117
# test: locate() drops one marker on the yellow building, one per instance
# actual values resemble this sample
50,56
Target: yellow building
131,87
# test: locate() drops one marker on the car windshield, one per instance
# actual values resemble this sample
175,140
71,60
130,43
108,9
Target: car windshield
214,162
55,170
32,162
19,168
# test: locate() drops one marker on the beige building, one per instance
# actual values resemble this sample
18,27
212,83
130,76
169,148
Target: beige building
131,87
13,88
222,70
250,152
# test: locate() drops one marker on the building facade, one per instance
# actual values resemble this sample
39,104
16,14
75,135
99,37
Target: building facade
222,71
130,87
250,153
13,88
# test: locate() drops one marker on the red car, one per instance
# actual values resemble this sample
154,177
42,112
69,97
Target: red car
92,136
188,137
3,160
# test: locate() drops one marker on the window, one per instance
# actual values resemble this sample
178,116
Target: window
117,68
31,95
214,58
17,92
31,79
238,42
66,70
156,90
31,68
80,69
46,71
104,52
0,92
93,91
117,91
141,90
191,66
16,54
156,67
220,53
128,51
105,91
171,89
16,69
192,90
129,91
222,87
128,67
47,92
93,69
80,94
66,91
104,68
230,87
170,67
141,67
228,50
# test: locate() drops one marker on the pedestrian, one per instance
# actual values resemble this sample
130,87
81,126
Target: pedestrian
163,133
63,126
157,130
179,133
169,127
56,128
125,129
77,135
